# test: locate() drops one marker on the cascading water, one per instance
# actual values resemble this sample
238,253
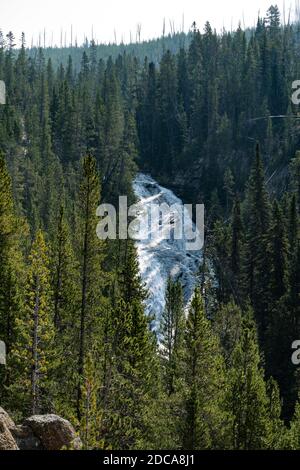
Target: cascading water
160,256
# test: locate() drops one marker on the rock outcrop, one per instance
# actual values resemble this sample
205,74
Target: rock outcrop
26,439
54,432
7,441
6,419
41,432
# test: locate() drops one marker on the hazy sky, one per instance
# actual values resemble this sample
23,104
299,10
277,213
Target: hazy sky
106,17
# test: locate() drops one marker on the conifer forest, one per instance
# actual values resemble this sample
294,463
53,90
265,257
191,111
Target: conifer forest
215,118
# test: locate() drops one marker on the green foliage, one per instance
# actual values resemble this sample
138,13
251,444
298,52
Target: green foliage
227,324
247,397
91,413
294,430
78,123
172,332
131,381
33,351
205,418
66,304
90,266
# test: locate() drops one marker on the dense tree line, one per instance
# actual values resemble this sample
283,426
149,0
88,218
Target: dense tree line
201,110
137,47
220,375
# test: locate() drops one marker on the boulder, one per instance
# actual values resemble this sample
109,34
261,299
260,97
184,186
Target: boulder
7,441
53,432
25,438
41,432
6,419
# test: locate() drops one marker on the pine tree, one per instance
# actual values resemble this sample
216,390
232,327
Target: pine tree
277,433
256,257
293,224
66,303
132,360
51,168
167,427
295,173
90,264
279,253
228,187
227,324
283,329
281,324
205,420
11,273
294,286
237,246
133,289
172,331
91,421
169,123
33,349
273,17
8,257
147,117
294,440
65,277
247,398
113,127
220,253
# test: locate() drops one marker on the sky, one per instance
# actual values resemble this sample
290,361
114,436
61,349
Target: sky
108,20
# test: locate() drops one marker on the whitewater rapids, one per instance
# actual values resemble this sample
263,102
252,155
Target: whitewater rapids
158,257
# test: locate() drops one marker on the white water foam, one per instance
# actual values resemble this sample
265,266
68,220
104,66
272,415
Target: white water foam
158,257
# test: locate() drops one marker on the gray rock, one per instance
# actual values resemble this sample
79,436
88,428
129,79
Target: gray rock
6,419
25,438
7,441
43,432
54,432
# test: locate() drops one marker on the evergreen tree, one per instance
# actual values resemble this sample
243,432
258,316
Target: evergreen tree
172,331
33,349
205,420
295,173
66,303
91,421
279,251
10,259
227,324
293,224
132,359
247,397
11,274
294,434
237,246
277,433
256,258
90,264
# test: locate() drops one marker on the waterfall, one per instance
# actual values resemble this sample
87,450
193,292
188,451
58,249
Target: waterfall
159,257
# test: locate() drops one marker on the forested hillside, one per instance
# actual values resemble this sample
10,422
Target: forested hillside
213,119
152,48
